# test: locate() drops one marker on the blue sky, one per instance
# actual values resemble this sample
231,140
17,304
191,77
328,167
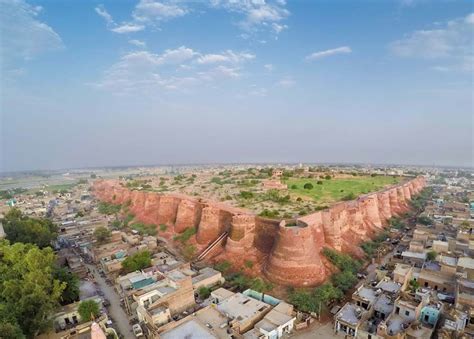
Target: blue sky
97,83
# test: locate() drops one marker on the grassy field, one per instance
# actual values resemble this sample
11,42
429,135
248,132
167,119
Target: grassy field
339,189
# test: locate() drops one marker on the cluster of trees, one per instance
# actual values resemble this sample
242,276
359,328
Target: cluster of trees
419,201
397,223
318,299
108,209
144,229
370,247
21,228
9,194
137,261
186,235
102,234
32,286
29,290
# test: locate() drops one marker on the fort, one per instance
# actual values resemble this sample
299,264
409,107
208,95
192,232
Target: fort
286,252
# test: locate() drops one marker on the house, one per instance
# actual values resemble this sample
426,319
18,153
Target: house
349,319
68,316
243,311
364,297
437,280
402,274
275,324
407,309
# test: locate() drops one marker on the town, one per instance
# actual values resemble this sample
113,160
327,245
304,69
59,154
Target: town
124,278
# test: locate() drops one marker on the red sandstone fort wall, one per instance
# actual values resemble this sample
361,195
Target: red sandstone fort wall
286,255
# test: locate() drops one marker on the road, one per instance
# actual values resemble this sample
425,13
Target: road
119,316
317,330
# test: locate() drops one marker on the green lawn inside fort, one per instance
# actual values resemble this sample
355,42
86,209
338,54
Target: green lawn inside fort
337,189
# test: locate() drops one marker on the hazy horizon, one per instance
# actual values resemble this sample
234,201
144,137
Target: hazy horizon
133,83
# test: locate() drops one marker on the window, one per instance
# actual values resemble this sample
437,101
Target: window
397,310
426,284
407,313
427,317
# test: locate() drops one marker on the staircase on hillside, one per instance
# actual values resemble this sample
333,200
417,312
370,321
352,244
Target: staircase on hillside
211,246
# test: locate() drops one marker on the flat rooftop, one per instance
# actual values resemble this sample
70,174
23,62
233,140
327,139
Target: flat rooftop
191,329
350,313
241,307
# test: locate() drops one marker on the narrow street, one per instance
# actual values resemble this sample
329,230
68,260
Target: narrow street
118,315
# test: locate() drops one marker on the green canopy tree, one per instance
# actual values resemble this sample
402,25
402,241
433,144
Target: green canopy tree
137,261
21,228
71,291
102,234
88,310
28,291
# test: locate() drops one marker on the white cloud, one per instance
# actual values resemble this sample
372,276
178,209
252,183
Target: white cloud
150,10
227,57
149,72
146,12
137,43
258,15
286,82
24,36
451,43
104,14
269,67
328,53
177,56
128,28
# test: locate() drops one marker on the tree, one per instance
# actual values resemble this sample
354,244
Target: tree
431,255
327,293
223,266
344,280
88,310
71,291
260,285
308,186
327,177
204,292
319,182
29,294
137,261
21,228
102,234
414,285
93,176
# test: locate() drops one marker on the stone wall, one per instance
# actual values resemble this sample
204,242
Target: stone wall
286,255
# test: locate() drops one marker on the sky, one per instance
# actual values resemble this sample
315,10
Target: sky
143,82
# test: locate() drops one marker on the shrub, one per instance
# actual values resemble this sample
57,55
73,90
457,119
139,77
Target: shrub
341,260
246,194
294,187
163,228
344,280
308,186
108,209
189,251
350,196
319,182
327,177
269,213
186,235
223,266
248,263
